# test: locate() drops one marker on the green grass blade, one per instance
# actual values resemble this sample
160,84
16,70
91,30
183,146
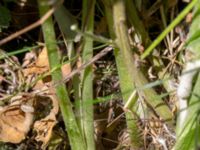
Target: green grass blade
141,32
187,135
137,23
169,28
65,20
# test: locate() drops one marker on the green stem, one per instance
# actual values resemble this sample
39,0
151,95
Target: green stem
87,82
137,23
69,37
134,72
126,81
74,134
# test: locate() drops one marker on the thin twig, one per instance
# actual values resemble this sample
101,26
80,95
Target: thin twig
95,58
31,26
83,66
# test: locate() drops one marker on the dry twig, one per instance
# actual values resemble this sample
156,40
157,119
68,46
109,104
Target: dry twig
95,58
31,26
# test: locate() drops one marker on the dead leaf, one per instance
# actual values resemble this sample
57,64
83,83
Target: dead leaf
14,123
45,126
42,60
38,86
66,69
1,78
29,59
40,66
44,129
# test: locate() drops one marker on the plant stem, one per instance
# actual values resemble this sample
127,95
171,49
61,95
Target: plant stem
139,79
87,82
74,134
126,82
69,38
187,128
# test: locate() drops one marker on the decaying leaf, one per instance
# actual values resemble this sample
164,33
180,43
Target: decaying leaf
42,60
17,118
14,123
40,66
39,85
66,69
45,126
29,59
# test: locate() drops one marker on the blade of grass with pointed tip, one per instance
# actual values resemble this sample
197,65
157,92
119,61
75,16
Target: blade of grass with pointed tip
65,20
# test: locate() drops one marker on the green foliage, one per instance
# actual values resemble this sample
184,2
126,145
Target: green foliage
120,14
188,135
169,28
75,137
194,34
5,18
65,24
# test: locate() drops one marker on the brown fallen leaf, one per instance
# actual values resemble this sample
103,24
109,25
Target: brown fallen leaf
42,60
1,78
29,59
66,69
45,126
41,67
14,123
